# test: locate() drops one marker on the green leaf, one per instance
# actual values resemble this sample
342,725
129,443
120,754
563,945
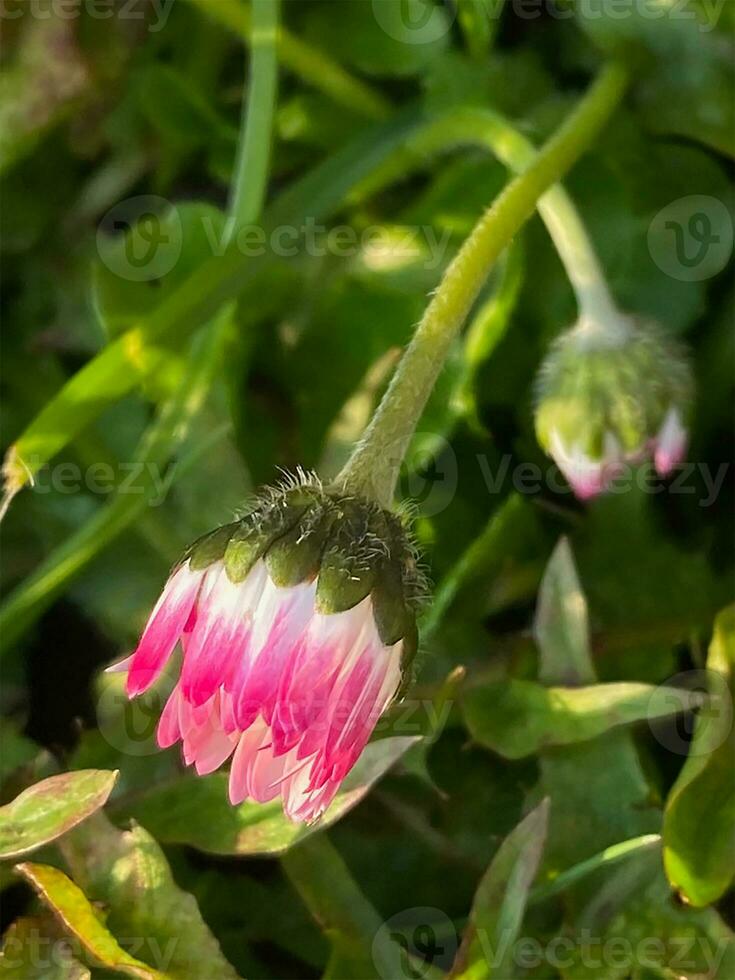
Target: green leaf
561,628
79,917
196,811
699,850
128,872
51,808
35,948
633,912
517,718
599,793
500,901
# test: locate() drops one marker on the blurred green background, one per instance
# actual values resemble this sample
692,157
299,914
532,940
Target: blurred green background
118,131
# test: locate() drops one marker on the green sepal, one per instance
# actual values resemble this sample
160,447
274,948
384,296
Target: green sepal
408,657
343,581
209,548
259,529
245,548
294,557
393,617
349,564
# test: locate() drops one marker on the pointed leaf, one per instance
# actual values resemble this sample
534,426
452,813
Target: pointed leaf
79,917
561,629
52,807
500,901
517,718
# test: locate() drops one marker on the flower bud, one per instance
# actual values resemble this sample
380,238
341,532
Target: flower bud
608,397
297,624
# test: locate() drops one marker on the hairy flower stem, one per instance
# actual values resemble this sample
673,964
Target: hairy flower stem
374,465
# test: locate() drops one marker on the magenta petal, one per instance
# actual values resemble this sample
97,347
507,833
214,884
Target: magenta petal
164,627
168,731
220,637
671,444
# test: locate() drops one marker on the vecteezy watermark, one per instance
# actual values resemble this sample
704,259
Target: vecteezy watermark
414,942
432,476
691,239
430,479
103,479
712,722
418,22
129,726
142,238
153,13
39,951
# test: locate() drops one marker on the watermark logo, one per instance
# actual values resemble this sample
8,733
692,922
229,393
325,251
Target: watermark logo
129,726
712,720
691,239
141,238
412,21
413,943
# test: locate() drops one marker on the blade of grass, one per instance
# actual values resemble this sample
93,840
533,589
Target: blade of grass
605,859
253,156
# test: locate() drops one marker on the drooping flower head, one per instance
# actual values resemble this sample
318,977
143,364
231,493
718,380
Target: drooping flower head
298,629
607,398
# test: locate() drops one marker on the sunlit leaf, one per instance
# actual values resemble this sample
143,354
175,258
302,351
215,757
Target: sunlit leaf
51,808
37,949
80,918
517,718
699,850
128,872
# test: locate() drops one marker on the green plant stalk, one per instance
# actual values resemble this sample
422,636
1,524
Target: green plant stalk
312,66
254,149
374,466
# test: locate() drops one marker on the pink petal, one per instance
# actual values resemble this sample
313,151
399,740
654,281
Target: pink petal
670,443
165,625
168,731
281,620
307,683
220,635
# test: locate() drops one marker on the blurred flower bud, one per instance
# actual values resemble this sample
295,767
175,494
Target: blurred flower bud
298,629
611,396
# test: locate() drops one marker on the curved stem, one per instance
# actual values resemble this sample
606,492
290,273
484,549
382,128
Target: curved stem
373,468
253,155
